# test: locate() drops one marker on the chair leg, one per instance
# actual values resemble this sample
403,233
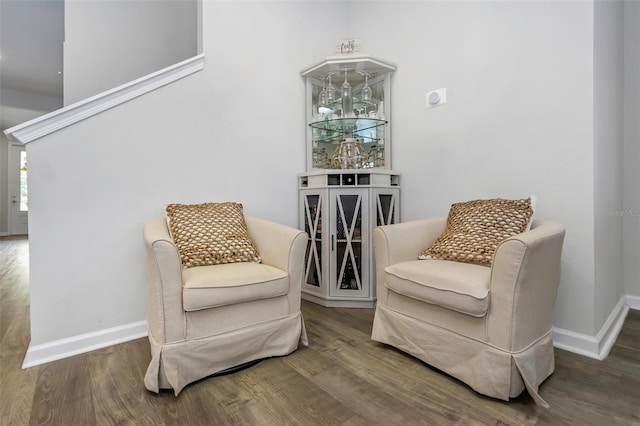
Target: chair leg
237,368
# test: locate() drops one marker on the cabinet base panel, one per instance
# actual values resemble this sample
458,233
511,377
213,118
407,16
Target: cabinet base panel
339,303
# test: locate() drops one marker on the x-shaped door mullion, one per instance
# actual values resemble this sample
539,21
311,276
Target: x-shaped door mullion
348,253
313,228
387,220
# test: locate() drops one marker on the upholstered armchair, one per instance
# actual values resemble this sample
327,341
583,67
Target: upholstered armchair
208,319
488,326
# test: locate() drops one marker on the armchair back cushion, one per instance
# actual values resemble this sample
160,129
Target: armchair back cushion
211,234
475,228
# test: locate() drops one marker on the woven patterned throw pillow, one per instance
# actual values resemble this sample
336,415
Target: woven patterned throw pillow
211,234
475,228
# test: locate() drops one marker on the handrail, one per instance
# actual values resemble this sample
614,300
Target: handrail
56,120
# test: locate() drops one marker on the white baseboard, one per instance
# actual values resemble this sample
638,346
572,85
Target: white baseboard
70,346
597,347
633,302
578,343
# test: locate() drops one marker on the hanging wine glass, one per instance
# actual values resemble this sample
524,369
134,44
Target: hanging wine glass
346,87
366,90
347,100
322,97
331,91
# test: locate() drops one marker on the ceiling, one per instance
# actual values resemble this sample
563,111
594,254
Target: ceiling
31,43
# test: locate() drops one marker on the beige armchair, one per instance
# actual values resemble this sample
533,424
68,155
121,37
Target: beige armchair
489,327
207,319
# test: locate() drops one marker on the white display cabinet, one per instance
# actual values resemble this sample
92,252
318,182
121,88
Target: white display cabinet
349,187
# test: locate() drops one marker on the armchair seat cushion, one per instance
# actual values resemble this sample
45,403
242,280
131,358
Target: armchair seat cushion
461,287
207,287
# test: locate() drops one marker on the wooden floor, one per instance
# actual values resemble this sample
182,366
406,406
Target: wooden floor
342,378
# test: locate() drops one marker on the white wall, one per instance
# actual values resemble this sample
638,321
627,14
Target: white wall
20,105
631,149
111,42
608,137
234,131
518,117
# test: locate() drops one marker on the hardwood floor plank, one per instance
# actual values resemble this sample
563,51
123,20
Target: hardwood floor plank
16,386
14,294
63,393
358,394
229,401
117,394
629,337
292,397
604,388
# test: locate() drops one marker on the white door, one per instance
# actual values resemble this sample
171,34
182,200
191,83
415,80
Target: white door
349,262
17,179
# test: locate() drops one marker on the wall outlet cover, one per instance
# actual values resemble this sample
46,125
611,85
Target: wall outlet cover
436,97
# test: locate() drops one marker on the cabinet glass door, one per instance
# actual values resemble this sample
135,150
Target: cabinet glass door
349,272
385,207
313,227
365,121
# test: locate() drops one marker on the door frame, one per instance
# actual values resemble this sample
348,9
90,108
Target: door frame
12,181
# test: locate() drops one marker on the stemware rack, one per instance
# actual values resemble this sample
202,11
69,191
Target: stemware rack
364,116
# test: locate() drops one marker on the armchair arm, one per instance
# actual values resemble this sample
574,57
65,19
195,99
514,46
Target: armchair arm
283,247
404,241
401,242
164,283
524,281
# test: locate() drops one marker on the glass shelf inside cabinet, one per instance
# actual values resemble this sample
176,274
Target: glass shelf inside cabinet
329,130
